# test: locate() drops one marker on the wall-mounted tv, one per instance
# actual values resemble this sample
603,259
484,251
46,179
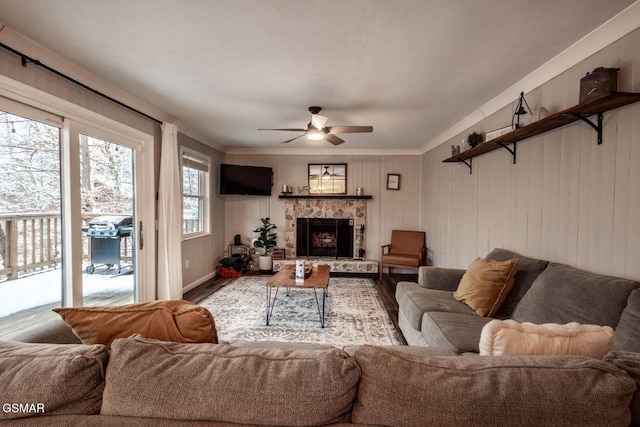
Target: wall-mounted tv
245,180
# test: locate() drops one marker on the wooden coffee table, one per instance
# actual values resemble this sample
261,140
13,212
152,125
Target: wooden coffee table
285,278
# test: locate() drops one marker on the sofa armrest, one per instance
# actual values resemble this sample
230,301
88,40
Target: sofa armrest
445,279
51,331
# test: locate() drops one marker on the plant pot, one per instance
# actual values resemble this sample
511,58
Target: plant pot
265,263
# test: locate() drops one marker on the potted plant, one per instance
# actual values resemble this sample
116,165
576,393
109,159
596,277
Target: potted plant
266,240
474,139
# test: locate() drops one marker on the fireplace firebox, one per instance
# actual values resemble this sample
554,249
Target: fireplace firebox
324,237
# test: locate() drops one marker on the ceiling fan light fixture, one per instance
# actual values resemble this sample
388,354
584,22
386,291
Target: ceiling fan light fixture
326,174
315,136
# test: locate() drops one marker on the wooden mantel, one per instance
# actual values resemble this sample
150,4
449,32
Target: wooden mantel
325,196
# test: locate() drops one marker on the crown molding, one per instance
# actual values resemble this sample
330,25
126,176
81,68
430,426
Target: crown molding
194,134
614,29
323,151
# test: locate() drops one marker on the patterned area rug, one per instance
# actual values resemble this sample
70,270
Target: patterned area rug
354,314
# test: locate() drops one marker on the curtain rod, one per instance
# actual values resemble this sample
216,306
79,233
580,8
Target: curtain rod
28,60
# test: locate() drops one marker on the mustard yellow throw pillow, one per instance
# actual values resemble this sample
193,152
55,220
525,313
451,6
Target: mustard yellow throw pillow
167,320
486,284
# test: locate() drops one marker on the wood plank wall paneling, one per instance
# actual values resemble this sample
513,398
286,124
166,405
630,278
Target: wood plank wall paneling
567,199
387,210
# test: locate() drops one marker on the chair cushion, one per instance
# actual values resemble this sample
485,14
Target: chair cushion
169,320
219,382
627,337
489,390
528,270
410,260
62,378
486,284
563,294
414,300
508,337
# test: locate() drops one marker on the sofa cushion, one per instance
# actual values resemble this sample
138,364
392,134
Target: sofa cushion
113,421
444,279
627,337
52,331
486,284
563,294
454,331
169,320
630,362
219,382
491,390
528,270
414,300
508,337
62,378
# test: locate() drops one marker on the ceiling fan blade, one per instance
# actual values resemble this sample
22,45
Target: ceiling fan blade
333,139
292,139
349,129
288,130
318,121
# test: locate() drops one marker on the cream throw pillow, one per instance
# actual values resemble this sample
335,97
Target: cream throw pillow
166,320
486,284
508,337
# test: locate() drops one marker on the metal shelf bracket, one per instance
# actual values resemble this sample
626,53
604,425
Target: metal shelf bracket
597,128
469,164
513,152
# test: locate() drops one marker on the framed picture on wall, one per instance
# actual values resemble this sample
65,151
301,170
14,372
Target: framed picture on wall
393,181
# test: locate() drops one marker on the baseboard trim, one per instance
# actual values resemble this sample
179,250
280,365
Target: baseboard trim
199,282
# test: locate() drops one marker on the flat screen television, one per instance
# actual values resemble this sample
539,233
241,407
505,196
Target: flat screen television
245,180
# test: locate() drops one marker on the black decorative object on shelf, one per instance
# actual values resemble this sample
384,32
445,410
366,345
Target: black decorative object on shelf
474,139
520,111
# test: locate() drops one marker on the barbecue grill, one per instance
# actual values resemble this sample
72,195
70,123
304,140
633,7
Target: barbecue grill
106,233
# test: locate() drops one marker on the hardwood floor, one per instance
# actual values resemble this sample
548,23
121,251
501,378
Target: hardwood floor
386,289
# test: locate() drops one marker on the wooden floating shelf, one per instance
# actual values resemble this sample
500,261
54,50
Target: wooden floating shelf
324,196
580,111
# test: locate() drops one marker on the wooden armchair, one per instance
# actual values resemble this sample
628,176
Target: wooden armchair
407,249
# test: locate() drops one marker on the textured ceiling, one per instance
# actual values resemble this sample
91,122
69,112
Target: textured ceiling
411,69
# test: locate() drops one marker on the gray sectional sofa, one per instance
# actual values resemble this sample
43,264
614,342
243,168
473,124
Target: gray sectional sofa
543,292
141,382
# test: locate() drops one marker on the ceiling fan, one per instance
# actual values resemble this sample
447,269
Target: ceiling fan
316,129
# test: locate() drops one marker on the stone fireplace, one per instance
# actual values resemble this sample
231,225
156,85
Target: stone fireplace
318,207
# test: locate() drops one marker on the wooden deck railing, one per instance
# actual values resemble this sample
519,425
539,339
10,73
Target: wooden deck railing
33,242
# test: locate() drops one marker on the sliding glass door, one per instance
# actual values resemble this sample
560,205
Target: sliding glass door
30,219
74,201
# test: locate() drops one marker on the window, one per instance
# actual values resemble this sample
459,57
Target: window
195,193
